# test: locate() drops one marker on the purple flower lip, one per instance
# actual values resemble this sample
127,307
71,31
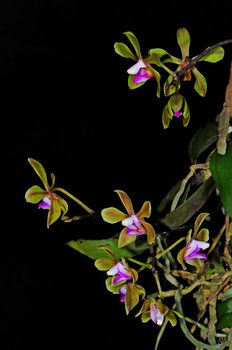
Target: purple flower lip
193,248
177,114
133,225
140,71
120,273
136,67
156,316
122,291
45,203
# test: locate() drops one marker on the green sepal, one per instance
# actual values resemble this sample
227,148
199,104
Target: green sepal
166,117
186,114
40,171
163,56
170,88
54,213
124,51
221,170
34,194
183,39
112,287
135,43
132,298
132,85
214,56
104,264
200,84
145,317
176,102
171,318
198,222
89,247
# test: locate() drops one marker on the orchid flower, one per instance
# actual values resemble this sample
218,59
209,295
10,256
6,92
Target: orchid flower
134,223
47,198
142,70
193,248
195,242
176,107
183,39
155,311
120,272
130,294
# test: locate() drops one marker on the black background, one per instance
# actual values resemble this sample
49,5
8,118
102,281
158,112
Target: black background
65,102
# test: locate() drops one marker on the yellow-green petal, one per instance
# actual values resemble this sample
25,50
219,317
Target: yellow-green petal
53,213
40,171
145,211
150,231
125,239
125,201
34,194
183,39
135,43
113,215
124,51
200,84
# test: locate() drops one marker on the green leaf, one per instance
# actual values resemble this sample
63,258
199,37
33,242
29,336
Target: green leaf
221,169
40,171
124,51
224,307
168,198
225,321
200,84
202,140
215,55
190,207
227,294
89,247
34,194
134,42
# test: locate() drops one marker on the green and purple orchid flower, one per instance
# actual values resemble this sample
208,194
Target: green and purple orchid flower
156,311
122,279
134,224
142,70
47,198
195,243
176,107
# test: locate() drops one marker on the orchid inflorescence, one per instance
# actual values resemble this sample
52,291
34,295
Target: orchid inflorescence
186,249
143,70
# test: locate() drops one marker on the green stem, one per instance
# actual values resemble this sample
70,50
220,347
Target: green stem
84,206
164,252
139,263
